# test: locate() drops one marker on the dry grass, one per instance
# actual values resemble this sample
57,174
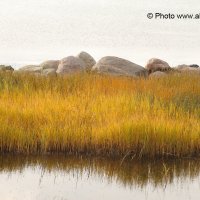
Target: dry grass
100,115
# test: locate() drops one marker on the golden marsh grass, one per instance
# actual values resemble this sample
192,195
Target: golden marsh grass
100,115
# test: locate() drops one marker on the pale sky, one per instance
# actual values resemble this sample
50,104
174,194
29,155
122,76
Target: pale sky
35,30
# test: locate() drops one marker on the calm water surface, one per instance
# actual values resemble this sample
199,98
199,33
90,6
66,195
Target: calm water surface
70,178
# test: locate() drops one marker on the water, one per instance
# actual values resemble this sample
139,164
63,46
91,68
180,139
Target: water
35,30
74,178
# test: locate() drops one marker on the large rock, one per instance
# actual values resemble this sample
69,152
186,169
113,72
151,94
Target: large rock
31,69
50,64
49,67
194,69
6,68
87,59
180,67
70,65
155,64
157,74
48,72
118,66
190,70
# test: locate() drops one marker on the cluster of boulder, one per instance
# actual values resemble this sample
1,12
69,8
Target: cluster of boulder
109,65
159,68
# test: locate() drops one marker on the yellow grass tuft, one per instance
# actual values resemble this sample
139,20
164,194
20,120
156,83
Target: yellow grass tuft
100,115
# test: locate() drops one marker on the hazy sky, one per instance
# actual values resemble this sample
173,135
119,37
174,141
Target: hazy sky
36,30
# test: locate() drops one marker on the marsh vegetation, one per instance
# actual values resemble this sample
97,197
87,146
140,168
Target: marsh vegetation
93,114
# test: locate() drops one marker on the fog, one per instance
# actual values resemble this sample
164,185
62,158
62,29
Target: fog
35,30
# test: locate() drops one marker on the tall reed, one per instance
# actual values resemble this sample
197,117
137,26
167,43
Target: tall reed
100,115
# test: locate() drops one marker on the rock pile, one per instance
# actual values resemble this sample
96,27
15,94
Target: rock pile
108,65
